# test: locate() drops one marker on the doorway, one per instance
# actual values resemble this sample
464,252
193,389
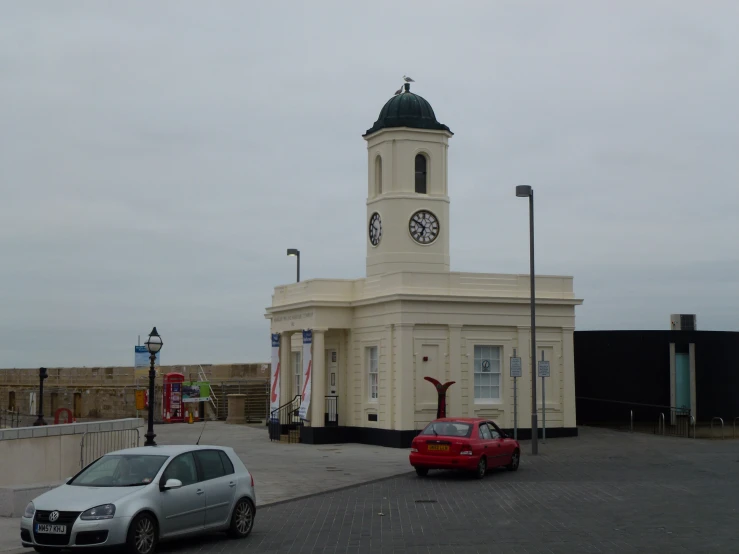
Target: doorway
11,401
77,405
332,387
682,381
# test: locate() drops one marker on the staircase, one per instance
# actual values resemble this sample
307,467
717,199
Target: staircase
256,401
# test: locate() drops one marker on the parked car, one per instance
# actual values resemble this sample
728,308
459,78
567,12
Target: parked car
468,444
139,496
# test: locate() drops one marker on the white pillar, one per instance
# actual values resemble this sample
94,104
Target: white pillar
286,380
318,380
454,396
405,401
568,378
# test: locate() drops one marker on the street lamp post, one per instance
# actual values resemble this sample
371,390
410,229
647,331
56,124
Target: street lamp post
153,345
523,191
295,252
41,376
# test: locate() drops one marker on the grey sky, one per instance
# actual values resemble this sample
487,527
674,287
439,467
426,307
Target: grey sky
157,158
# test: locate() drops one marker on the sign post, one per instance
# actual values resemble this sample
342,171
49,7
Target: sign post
543,372
515,373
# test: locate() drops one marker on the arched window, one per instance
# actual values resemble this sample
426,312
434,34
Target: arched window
421,174
378,175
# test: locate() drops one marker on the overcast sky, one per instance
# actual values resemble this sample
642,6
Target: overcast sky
157,159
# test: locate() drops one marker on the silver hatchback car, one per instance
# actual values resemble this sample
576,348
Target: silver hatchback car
139,496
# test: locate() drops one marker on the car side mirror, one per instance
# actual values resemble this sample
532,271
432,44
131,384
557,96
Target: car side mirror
172,484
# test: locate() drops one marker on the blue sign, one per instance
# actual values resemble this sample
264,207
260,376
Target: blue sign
141,358
275,340
307,336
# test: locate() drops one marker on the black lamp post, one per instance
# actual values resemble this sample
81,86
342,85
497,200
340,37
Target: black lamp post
41,376
525,191
153,345
295,252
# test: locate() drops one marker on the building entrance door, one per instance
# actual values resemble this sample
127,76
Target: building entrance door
332,387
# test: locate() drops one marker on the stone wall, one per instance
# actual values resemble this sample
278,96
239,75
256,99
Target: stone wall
108,392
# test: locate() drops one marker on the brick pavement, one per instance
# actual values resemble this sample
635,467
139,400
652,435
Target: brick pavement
604,492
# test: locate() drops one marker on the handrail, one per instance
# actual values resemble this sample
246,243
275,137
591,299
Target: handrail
722,426
632,420
285,405
625,402
661,421
734,434
692,421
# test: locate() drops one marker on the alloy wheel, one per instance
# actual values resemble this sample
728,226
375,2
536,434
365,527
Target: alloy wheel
244,517
144,537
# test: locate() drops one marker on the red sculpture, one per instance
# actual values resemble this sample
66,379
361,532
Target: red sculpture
60,411
441,390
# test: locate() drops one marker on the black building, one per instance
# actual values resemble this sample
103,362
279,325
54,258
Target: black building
648,373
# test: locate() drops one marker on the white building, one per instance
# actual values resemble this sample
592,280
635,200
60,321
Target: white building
374,339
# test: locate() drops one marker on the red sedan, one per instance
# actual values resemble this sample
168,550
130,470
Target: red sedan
470,444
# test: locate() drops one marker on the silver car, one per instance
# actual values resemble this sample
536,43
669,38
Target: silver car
139,496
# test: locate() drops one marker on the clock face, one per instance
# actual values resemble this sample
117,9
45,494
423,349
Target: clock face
375,229
424,227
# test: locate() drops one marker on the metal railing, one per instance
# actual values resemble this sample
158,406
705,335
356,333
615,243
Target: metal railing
98,443
10,419
635,416
722,426
332,411
285,418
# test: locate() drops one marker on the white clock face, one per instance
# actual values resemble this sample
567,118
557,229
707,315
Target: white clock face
375,229
424,227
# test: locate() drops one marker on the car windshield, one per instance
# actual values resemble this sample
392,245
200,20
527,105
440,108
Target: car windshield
120,470
448,428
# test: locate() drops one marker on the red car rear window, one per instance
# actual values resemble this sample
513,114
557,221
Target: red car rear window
448,429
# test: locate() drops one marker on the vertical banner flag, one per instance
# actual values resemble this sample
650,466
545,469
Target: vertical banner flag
274,396
307,373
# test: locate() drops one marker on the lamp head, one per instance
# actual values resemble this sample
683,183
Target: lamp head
154,342
524,191
293,252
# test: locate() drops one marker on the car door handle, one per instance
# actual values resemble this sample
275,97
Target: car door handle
200,491
232,484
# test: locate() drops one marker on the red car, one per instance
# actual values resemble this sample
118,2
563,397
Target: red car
470,444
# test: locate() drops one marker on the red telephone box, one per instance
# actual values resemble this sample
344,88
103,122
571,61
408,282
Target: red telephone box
172,401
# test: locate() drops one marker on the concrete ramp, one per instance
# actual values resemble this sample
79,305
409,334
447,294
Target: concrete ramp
15,498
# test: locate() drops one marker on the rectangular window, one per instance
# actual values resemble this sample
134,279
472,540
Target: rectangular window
487,373
298,372
372,371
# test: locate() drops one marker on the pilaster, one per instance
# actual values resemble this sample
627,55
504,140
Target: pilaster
318,379
405,400
454,405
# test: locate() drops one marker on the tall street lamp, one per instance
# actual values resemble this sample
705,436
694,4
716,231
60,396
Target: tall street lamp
153,345
523,191
295,252
41,376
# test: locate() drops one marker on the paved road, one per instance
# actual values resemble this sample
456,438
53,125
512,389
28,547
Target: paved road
602,492
605,492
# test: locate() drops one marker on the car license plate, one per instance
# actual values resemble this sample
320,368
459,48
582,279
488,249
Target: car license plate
51,529
439,447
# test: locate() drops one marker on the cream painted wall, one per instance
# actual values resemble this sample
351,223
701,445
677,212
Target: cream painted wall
397,201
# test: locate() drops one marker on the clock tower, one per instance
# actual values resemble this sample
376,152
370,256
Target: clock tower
407,225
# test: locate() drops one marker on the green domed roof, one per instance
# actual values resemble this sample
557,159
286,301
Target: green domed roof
407,110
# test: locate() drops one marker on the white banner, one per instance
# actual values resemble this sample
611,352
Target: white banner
274,398
307,366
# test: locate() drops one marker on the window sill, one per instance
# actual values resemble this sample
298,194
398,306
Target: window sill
488,402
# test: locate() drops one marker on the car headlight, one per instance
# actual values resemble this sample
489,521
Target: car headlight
30,510
106,511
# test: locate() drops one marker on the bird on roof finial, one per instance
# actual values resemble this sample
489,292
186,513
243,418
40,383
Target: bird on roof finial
398,91
408,79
